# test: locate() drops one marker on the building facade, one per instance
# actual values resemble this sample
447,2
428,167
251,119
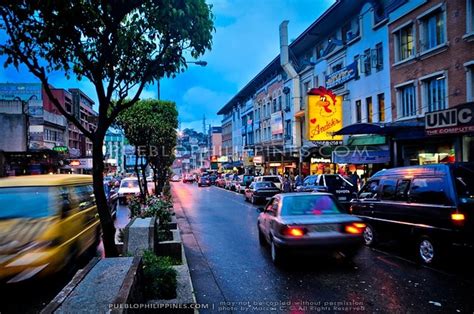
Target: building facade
432,63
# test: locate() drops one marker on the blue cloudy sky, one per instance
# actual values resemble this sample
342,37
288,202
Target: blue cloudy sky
245,41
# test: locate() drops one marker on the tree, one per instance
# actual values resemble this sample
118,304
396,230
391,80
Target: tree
151,126
118,45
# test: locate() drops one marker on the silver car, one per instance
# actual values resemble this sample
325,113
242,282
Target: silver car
308,223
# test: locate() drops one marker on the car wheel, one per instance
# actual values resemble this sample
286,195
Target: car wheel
276,254
427,250
261,238
370,237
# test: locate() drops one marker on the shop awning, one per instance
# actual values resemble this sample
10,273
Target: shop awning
391,128
367,140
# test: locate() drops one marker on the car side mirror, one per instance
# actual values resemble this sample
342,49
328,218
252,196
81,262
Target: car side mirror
260,210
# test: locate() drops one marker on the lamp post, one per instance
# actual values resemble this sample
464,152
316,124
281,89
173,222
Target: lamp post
198,62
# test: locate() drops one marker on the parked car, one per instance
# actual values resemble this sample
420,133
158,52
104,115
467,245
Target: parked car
430,207
220,182
235,183
47,223
175,178
228,180
128,188
310,223
244,183
275,179
188,178
213,179
112,198
340,187
260,191
204,181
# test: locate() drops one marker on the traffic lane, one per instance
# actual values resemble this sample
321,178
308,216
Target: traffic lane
225,227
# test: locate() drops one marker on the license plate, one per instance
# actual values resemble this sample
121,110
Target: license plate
325,228
268,198
342,198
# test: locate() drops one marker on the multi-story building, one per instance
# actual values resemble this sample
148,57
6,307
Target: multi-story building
432,66
39,130
227,148
114,150
84,112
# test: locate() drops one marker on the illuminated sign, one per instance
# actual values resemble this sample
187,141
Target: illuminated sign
324,115
214,158
457,120
275,164
61,149
223,159
75,163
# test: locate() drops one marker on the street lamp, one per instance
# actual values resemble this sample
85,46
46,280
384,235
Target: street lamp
198,62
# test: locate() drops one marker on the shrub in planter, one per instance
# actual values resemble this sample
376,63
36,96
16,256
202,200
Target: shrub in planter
159,276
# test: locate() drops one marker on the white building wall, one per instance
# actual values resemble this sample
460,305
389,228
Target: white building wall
377,82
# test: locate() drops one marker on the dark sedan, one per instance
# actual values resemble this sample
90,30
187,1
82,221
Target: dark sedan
204,181
260,191
308,223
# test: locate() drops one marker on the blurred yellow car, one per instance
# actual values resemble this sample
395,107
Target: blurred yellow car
46,222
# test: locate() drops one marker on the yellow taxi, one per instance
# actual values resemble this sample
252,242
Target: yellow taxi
46,222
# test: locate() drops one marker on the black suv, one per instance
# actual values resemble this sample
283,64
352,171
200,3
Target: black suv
428,205
343,190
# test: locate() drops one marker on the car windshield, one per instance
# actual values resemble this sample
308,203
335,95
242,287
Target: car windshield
309,205
335,182
28,202
464,176
129,184
271,179
260,185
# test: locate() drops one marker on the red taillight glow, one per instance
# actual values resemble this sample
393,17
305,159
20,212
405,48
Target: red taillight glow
457,217
294,232
355,228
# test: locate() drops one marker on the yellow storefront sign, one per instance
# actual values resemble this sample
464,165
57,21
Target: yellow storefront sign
324,114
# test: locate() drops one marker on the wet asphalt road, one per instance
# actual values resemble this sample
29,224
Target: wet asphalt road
232,273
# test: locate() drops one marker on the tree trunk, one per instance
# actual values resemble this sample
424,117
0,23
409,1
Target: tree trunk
155,179
145,182
108,228
137,172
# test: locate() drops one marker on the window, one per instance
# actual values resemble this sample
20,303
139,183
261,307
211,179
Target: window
381,106
406,101
404,43
346,28
305,90
470,16
378,58
432,30
388,189
434,93
357,61
370,113
402,190
310,205
274,105
279,105
358,111
470,82
288,100
336,67
370,190
429,191
367,62
288,129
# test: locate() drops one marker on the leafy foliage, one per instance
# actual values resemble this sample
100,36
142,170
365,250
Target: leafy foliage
118,45
160,276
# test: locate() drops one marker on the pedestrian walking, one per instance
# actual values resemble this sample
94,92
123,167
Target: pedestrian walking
286,185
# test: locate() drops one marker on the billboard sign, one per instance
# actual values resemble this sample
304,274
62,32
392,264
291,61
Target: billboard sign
457,120
324,114
277,123
343,75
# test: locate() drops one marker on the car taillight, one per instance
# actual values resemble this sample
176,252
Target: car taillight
294,231
355,228
457,217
